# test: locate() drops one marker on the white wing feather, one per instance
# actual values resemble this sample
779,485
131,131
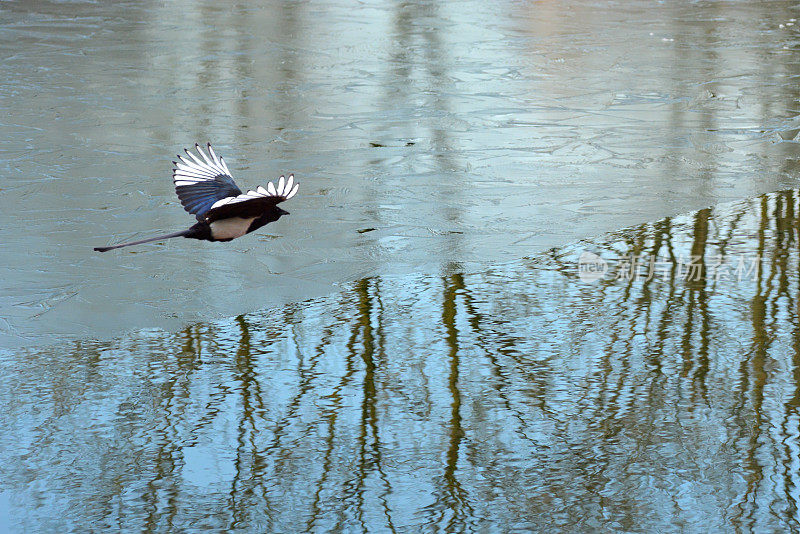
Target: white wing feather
191,170
283,190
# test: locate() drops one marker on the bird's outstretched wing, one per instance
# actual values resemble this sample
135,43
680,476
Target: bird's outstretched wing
202,181
253,203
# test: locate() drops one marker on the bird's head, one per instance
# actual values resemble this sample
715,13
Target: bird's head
274,214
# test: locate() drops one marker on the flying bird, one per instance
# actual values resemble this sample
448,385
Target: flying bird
206,189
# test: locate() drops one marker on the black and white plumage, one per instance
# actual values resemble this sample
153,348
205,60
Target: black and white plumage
206,189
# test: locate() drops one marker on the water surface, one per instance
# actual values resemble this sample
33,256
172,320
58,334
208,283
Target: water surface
464,133
518,398
417,347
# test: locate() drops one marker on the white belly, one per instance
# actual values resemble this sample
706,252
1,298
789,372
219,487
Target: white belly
230,228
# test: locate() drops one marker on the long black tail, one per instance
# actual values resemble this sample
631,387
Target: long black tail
159,238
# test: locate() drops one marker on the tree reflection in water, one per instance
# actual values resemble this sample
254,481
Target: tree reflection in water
520,397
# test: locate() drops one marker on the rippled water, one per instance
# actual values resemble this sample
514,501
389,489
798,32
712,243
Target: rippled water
519,398
423,345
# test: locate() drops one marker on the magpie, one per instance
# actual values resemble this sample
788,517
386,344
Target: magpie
206,189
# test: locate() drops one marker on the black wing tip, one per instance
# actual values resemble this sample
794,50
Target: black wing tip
196,146
102,249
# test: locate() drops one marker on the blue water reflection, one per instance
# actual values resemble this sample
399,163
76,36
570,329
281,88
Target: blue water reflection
518,398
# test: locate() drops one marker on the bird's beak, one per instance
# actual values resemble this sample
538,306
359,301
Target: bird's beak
283,212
